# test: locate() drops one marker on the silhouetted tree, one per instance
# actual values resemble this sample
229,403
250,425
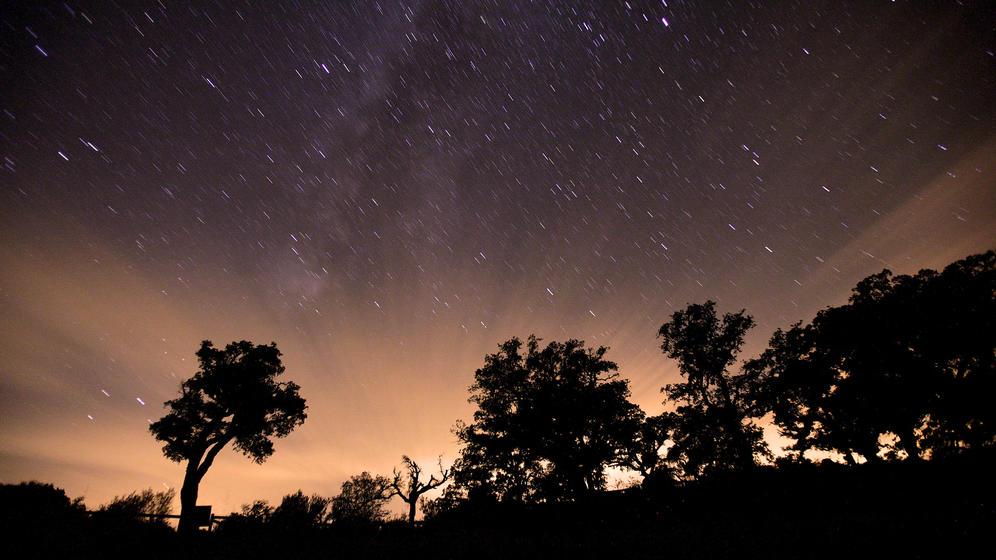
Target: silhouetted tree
298,511
801,374
39,520
362,500
711,428
645,452
910,357
138,505
961,343
452,497
29,503
795,375
250,518
408,485
548,422
259,511
233,397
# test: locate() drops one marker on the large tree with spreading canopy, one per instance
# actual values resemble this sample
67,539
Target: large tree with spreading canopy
233,398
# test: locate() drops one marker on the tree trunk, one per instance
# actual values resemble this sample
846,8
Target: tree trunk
188,500
411,510
744,450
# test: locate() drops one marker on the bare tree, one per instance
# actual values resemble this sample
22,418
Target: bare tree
409,486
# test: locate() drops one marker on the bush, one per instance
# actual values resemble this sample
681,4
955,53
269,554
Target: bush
142,505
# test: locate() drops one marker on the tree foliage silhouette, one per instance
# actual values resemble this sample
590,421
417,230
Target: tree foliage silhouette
407,484
909,358
299,511
794,376
256,513
233,397
29,503
548,422
362,500
711,428
294,512
142,504
645,451
451,499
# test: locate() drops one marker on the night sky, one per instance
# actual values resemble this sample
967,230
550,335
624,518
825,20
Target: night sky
390,190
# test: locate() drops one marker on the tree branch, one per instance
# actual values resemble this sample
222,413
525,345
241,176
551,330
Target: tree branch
415,487
433,482
396,487
211,454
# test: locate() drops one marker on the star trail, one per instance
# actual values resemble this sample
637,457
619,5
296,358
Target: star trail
388,190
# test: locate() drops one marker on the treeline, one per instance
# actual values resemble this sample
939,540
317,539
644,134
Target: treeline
903,372
889,391
926,509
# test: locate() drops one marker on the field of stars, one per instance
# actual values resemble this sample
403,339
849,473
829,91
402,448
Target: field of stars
388,190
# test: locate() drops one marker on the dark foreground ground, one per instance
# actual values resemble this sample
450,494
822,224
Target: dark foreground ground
929,510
